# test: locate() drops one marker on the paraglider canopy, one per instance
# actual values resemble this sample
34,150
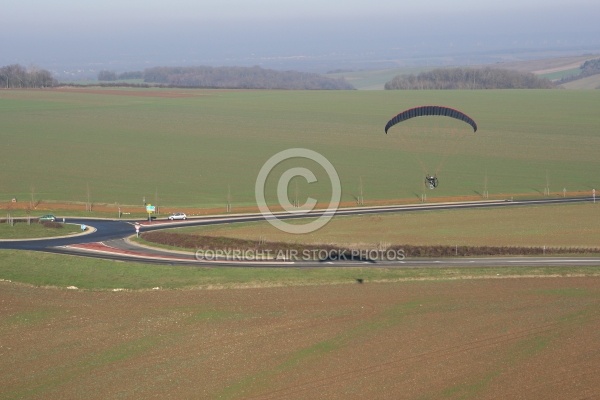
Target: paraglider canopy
431,110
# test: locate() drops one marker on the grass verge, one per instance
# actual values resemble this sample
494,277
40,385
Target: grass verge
22,230
44,269
551,226
182,241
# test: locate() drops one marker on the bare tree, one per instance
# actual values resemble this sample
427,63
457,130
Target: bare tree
16,76
105,75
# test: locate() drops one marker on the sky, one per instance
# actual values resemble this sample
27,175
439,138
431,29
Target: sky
124,35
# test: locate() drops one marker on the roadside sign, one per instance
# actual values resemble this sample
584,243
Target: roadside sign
150,208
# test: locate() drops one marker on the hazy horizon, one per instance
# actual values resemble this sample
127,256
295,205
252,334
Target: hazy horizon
310,36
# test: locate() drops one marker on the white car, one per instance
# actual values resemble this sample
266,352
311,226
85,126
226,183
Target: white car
178,215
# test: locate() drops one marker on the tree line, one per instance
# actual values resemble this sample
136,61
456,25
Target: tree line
469,78
588,68
111,76
17,76
231,78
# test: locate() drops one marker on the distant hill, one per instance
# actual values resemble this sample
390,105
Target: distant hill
590,82
589,73
546,66
551,68
468,78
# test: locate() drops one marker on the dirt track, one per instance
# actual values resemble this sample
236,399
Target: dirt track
107,208
495,338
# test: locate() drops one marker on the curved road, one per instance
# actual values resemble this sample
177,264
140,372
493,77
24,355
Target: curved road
108,241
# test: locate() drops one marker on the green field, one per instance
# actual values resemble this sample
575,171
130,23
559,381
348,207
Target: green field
566,226
567,73
301,332
22,230
200,150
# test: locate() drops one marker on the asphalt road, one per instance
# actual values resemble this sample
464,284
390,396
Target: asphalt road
112,233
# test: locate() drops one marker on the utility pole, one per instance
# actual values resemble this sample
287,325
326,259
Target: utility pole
361,199
156,201
296,202
32,188
228,208
486,194
88,205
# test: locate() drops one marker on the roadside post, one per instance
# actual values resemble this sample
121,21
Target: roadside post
594,195
137,229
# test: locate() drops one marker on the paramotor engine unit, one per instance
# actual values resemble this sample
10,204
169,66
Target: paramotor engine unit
431,181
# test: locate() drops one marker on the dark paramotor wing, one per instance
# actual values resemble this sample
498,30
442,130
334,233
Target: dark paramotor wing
431,110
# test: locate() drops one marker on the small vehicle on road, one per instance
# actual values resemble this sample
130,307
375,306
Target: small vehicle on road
177,215
47,217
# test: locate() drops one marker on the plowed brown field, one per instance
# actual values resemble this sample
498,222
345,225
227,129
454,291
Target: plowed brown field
527,338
